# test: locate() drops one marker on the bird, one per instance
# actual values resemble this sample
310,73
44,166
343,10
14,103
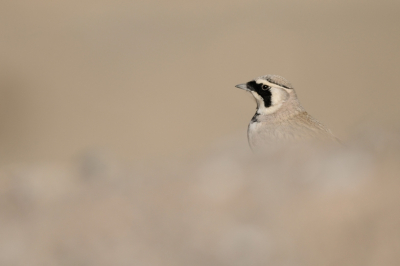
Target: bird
279,117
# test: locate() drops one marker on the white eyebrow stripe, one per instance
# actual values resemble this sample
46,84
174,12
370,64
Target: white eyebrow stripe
266,82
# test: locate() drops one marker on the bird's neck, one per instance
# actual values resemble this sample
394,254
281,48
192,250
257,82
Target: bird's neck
283,111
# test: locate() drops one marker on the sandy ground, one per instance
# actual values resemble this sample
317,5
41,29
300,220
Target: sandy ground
308,205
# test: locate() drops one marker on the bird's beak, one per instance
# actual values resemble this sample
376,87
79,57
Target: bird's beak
243,87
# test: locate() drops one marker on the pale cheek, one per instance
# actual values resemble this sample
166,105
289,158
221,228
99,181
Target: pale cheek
258,97
278,96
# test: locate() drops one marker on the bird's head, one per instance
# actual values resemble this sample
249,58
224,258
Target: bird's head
271,93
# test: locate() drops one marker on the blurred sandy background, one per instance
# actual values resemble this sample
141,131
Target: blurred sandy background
147,79
90,91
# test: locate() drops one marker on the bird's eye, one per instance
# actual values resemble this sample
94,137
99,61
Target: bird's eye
265,87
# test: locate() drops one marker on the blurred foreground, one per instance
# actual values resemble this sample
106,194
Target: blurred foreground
299,206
